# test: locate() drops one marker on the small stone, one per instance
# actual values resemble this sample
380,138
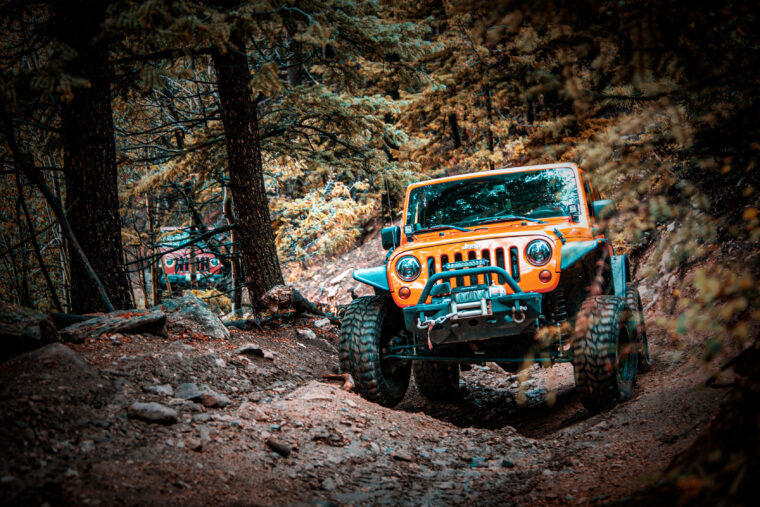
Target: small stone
507,463
446,485
321,323
70,472
350,403
306,334
340,277
329,484
153,413
195,444
251,349
478,462
213,399
280,448
402,455
188,391
165,389
202,417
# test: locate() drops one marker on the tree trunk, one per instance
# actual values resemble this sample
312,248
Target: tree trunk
229,214
89,158
152,236
455,130
125,321
24,162
489,124
35,244
254,231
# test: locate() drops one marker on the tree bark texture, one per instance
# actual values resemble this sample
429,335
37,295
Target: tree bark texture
90,159
258,252
455,130
237,293
129,321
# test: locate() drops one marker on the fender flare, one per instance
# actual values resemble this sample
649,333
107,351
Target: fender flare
621,273
376,277
573,252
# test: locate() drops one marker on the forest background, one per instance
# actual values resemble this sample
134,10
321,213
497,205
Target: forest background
281,133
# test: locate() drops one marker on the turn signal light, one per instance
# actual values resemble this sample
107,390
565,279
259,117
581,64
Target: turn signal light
404,292
545,276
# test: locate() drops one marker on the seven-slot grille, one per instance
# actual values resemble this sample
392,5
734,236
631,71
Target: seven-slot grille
505,258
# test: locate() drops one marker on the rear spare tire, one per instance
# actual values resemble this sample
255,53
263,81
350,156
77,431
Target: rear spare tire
605,354
369,326
437,381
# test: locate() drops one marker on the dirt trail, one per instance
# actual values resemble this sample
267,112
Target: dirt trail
67,436
74,443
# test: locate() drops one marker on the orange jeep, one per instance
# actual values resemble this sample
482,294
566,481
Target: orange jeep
483,262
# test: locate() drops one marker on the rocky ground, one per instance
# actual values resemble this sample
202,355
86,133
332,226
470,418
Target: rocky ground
249,419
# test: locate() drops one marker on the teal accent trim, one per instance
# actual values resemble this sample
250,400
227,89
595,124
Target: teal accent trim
375,277
456,273
574,252
619,278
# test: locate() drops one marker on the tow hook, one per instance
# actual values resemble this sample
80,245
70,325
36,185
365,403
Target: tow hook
521,318
429,324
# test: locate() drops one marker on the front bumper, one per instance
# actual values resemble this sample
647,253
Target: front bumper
473,313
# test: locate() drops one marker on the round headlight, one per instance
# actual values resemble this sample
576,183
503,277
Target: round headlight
408,268
169,261
538,252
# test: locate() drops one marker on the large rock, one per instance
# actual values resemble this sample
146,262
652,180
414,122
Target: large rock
191,315
22,329
54,355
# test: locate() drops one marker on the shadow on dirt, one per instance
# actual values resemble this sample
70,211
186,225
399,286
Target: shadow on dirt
535,413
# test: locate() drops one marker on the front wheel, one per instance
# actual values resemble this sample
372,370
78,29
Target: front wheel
371,324
605,354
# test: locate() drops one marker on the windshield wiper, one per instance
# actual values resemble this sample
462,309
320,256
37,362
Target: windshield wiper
508,218
440,227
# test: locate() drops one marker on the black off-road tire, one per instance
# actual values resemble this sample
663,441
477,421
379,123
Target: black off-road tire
633,300
604,356
366,329
437,381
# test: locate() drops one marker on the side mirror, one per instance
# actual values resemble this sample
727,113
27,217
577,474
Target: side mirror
390,237
603,208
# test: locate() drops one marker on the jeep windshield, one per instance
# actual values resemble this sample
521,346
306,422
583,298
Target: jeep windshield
530,195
